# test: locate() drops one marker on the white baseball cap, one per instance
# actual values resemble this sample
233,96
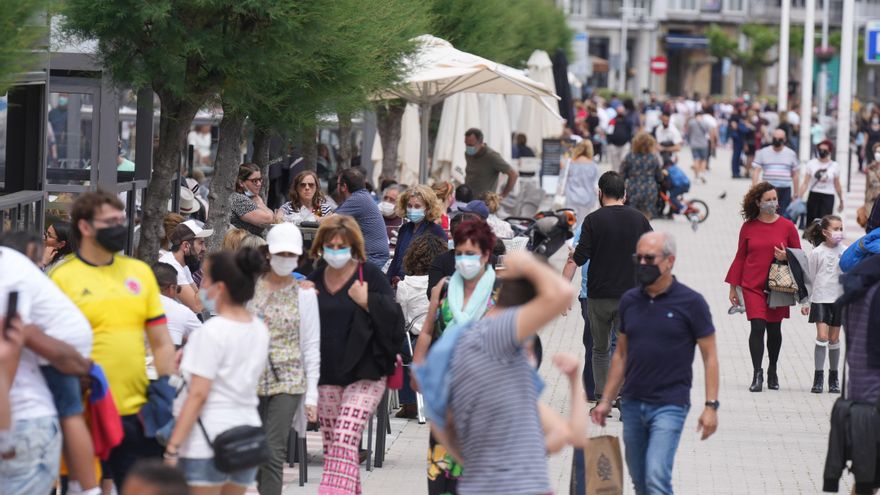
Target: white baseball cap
285,238
189,230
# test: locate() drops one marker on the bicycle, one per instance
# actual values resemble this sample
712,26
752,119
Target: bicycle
695,210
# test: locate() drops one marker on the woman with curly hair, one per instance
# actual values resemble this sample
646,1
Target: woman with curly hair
643,172
421,208
765,235
307,202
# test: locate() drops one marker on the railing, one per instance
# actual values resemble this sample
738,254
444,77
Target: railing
22,210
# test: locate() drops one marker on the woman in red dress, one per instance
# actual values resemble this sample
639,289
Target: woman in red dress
763,236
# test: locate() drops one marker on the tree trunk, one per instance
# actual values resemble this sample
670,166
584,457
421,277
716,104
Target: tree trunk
309,146
174,123
225,173
389,117
344,139
262,139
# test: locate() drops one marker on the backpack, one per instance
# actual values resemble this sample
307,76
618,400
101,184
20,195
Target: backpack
679,178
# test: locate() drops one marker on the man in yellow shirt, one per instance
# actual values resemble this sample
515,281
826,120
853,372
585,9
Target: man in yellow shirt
120,298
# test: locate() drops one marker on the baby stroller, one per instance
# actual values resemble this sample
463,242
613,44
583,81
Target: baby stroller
546,232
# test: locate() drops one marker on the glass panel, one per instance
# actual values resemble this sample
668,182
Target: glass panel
4,106
69,138
127,135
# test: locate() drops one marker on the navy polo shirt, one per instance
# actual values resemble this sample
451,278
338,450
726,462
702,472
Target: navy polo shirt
661,335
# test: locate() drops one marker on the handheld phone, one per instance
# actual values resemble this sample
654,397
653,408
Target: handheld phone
11,310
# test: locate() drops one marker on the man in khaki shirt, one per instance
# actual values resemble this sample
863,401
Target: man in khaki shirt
484,164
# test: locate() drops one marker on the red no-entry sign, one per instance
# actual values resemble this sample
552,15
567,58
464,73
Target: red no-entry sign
658,65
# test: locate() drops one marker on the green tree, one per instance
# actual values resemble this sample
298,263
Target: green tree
754,59
186,52
22,26
505,31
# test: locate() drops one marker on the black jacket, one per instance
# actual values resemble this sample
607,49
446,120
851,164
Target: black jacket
855,432
374,339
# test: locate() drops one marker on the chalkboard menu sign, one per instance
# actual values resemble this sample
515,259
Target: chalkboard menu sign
551,152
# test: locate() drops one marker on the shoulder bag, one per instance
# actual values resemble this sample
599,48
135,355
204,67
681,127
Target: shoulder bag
780,278
238,448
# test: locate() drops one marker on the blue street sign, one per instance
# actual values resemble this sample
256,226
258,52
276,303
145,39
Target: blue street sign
872,42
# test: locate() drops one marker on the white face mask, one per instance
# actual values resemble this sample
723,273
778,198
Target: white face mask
877,156
283,266
386,209
468,266
337,258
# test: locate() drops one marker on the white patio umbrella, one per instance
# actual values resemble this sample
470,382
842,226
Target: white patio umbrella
407,149
436,71
534,121
460,112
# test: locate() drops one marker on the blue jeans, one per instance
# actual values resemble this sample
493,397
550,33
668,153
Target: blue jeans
650,434
35,466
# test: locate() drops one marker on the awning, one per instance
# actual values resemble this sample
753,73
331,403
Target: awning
686,42
599,64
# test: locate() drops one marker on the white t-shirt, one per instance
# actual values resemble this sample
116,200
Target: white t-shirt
824,268
825,185
201,142
232,355
413,299
667,134
41,303
184,275
181,320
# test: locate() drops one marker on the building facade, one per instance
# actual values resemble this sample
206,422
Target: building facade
676,30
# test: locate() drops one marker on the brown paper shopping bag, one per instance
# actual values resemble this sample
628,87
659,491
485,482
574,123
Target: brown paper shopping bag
603,466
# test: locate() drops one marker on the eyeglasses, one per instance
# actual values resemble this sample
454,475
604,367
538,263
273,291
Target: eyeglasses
307,185
47,236
258,180
650,259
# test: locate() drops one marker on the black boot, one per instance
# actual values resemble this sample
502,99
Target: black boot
772,379
833,385
757,381
819,381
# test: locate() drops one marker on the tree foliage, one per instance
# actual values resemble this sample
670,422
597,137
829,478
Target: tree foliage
754,58
21,28
505,31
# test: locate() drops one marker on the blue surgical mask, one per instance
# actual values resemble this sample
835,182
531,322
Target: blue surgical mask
210,305
468,265
337,258
415,214
470,150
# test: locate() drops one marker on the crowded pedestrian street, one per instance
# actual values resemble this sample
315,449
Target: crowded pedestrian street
773,442
494,247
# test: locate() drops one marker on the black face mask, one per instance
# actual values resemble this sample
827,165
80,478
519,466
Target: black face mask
647,274
778,142
824,153
192,261
112,238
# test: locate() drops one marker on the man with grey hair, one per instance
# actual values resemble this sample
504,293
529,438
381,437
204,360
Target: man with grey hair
661,322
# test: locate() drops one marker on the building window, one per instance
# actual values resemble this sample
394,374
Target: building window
577,7
684,4
734,5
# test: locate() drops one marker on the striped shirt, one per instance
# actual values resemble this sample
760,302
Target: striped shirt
494,402
863,382
777,166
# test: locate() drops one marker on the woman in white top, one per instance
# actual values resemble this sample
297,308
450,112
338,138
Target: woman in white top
412,295
822,181
307,202
291,313
221,366
826,234
582,181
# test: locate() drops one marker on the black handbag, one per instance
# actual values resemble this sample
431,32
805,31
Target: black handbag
238,448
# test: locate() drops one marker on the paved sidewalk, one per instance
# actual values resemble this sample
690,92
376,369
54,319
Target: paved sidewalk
770,443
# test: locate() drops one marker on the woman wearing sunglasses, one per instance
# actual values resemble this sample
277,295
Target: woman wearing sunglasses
307,202
249,212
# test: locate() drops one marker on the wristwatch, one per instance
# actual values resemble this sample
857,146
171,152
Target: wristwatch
714,404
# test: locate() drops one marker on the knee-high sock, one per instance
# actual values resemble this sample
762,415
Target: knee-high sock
833,356
819,354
